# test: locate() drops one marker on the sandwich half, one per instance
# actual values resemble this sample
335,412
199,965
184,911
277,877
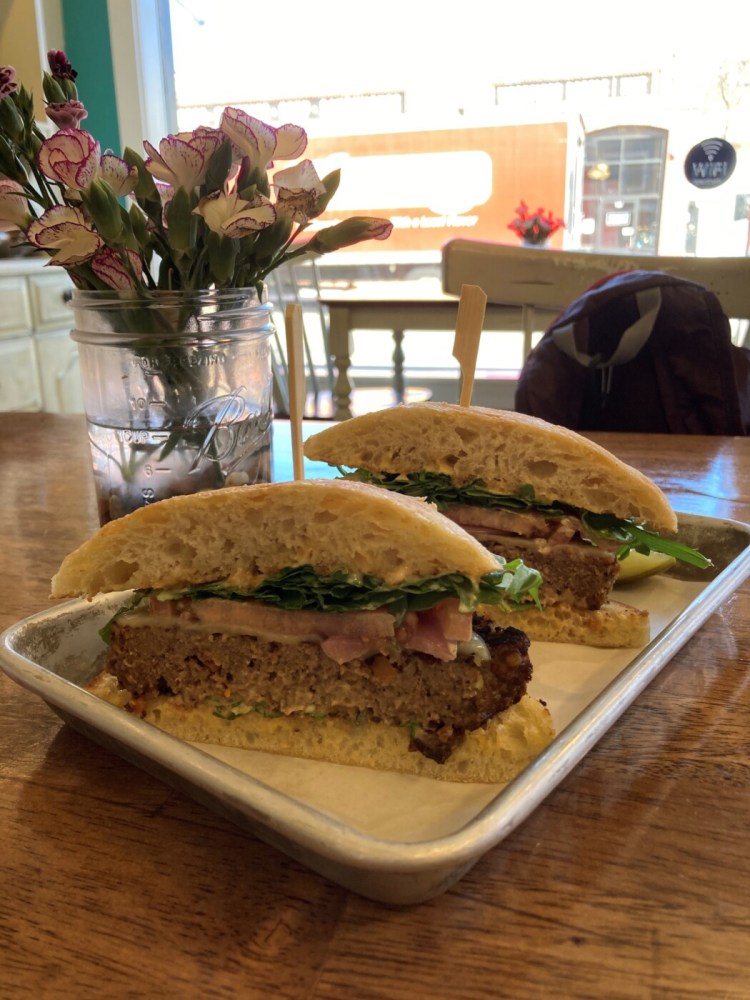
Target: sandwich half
525,489
324,619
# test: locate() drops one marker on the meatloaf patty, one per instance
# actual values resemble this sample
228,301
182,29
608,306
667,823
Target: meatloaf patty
439,700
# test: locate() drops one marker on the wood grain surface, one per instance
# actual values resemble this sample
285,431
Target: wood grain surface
632,880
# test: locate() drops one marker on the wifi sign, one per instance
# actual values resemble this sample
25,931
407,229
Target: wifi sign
710,163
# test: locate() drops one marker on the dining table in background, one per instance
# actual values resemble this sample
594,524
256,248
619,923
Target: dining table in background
398,307
630,880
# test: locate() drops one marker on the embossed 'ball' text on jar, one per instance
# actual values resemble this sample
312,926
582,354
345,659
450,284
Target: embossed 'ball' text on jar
177,390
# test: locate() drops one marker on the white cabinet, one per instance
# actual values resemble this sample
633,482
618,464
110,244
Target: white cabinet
19,376
38,360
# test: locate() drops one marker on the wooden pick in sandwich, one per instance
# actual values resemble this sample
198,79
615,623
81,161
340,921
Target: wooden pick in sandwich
296,378
469,324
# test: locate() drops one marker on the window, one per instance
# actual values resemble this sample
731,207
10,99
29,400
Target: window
446,128
622,188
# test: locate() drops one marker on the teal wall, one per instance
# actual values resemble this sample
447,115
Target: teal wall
86,30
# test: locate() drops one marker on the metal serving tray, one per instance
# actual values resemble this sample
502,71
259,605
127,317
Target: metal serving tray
391,837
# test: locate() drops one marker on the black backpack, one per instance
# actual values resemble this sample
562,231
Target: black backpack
640,351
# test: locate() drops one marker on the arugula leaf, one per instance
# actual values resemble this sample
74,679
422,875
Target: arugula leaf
633,536
438,488
106,631
300,588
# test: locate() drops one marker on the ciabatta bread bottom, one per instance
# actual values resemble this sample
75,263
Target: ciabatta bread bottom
493,754
615,625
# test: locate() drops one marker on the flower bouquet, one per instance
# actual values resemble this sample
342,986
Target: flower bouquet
168,253
534,228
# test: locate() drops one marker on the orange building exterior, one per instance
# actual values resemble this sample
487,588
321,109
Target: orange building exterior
443,184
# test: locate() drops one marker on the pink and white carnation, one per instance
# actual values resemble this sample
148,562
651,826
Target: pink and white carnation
70,157
64,231
8,82
182,159
14,207
224,212
67,115
121,177
298,190
110,267
261,143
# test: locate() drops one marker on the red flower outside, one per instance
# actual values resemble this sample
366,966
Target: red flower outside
535,227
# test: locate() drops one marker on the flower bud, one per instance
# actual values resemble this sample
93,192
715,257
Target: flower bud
331,184
70,89
104,209
348,232
145,190
59,65
11,122
67,115
8,83
53,90
138,226
25,103
9,164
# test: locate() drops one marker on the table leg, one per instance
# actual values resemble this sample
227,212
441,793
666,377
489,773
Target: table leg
398,365
341,352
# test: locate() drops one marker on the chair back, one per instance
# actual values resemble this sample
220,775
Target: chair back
543,282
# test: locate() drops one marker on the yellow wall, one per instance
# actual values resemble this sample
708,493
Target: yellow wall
28,28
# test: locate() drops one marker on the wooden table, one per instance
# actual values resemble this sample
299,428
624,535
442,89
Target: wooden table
397,306
632,880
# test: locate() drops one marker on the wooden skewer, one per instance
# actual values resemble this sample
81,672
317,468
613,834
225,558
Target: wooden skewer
296,379
469,324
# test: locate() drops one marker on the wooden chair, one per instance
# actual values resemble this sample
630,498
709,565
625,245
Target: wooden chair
543,282
297,283
330,393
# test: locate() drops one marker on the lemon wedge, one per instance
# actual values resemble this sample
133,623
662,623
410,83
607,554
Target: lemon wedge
635,565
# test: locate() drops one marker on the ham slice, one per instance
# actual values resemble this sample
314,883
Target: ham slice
252,616
437,631
343,635
485,524
527,524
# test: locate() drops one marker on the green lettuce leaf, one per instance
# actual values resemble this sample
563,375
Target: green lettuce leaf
136,598
439,489
300,588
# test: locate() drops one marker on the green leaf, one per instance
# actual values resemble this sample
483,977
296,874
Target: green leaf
106,631
634,536
301,589
439,489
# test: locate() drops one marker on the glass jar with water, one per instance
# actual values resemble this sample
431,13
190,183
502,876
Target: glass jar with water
177,390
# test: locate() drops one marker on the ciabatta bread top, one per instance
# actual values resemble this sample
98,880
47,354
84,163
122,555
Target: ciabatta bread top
503,449
242,534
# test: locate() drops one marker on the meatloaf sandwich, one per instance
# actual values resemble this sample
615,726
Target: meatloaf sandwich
526,489
322,619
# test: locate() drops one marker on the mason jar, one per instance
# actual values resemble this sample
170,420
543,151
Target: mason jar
177,389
